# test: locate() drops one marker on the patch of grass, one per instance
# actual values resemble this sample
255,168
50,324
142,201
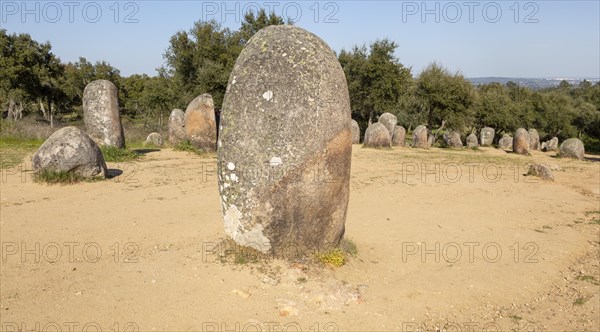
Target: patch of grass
14,149
589,213
61,177
335,257
116,155
187,146
590,279
302,279
338,256
516,317
580,301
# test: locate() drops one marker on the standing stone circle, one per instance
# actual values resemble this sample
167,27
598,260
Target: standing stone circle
200,124
176,128
154,139
355,132
572,148
472,141
390,121
399,137
377,136
69,149
534,140
521,141
420,138
506,142
452,139
487,136
101,114
285,118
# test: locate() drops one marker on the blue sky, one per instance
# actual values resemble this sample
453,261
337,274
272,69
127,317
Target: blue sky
479,38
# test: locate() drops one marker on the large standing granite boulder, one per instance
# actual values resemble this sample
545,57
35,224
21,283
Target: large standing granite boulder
472,141
420,138
572,148
377,136
399,137
521,141
200,124
390,121
452,139
534,140
285,145
355,132
487,136
101,114
176,128
70,150
506,142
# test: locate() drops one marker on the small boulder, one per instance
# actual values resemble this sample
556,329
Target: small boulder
506,142
377,136
420,138
399,137
487,136
355,132
534,140
452,139
521,141
551,145
70,150
572,148
472,141
200,123
541,171
176,128
390,121
154,139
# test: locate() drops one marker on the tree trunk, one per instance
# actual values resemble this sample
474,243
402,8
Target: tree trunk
42,108
435,136
11,107
51,115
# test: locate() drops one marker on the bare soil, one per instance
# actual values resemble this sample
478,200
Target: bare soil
447,240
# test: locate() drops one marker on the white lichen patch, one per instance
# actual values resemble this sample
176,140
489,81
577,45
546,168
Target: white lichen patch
230,166
275,161
247,236
268,95
233,177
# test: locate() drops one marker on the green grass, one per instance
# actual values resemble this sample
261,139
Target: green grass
116,155
339,256
13,150
590,279
186,146
61,177
580,301
516,318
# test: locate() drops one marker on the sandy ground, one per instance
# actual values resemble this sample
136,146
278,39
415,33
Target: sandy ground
455,240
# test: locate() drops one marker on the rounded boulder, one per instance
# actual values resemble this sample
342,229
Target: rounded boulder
572,148
70,150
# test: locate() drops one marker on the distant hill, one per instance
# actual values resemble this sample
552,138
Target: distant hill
533,83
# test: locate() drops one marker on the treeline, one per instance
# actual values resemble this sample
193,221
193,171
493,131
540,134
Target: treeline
200,60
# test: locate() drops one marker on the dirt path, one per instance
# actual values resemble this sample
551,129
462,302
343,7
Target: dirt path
454,239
